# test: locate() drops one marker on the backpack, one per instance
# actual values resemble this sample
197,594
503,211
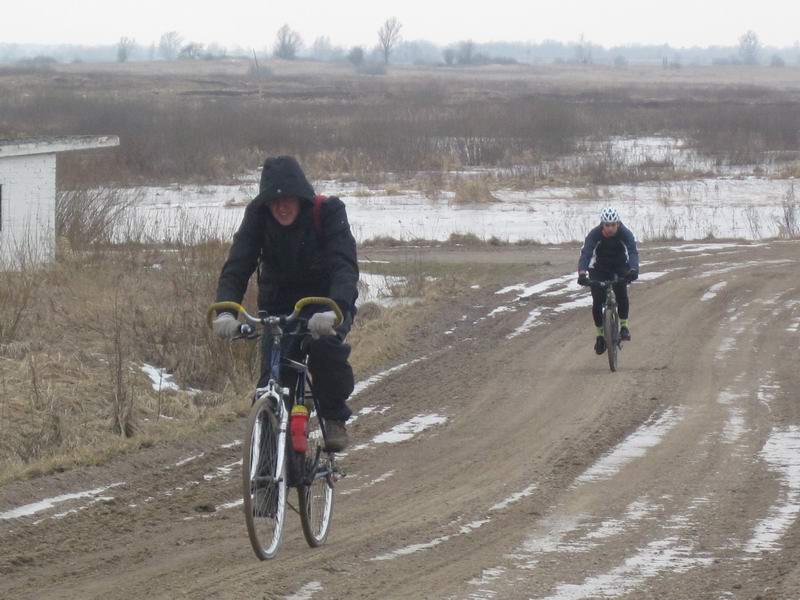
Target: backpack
316,212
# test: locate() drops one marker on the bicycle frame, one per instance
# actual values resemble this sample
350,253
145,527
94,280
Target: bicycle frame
269,420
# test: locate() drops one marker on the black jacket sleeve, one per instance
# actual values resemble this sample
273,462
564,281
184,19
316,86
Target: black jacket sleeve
340,253
630,245
243,256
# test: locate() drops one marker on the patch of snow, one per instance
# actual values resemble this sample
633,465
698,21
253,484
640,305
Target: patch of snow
306,592
36,507
631,448
180,463
375,481
378,288
671,555
406,431
160,379
651,275
363,385
513,498
501,309
531,321
414,548
488,576
224,471
782,453
713,291
734,427
232,504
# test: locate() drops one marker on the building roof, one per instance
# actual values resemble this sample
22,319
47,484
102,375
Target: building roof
49,145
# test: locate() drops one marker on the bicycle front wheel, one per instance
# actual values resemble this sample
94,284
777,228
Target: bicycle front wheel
611,334
315,494
264,484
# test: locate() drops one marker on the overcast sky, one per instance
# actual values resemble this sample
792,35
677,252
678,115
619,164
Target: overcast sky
251,23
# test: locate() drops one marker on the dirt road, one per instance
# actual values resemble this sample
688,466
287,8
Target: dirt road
506,461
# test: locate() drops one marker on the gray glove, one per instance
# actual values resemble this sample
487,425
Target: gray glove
322,324
226,326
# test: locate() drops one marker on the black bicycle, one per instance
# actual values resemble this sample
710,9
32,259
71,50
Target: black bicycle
285,442
610,319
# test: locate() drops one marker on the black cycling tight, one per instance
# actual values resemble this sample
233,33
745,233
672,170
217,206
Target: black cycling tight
599,298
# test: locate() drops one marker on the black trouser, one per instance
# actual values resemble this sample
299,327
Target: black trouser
332,375
599,294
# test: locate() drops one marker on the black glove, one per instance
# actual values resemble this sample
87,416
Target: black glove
632,275
583,279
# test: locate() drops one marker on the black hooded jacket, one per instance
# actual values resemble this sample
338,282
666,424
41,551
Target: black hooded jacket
295,261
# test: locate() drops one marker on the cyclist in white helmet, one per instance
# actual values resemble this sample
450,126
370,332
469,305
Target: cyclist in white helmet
609,249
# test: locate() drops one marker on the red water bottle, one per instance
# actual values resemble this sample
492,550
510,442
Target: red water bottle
298,426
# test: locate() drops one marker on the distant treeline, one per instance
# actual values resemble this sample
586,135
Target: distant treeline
423,52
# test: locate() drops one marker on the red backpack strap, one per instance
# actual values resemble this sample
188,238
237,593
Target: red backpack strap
316,213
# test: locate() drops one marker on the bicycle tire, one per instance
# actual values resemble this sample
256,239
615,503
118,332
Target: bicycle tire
264,511
316,498
611,334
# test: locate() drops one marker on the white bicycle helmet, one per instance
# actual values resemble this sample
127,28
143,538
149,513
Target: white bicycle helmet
609,214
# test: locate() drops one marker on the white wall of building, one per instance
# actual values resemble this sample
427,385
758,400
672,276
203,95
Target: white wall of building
28,209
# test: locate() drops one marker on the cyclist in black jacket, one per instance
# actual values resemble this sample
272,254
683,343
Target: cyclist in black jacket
609,249
301,245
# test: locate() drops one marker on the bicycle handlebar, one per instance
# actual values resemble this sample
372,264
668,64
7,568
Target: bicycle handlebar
282,320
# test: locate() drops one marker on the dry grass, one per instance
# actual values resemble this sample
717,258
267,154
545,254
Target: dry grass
216,122
473,190
72,389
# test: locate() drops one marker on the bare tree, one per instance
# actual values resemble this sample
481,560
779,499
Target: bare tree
191,51
388,36
583,51
466,53
749,47
287,43
169,45
124,47
449,56
356,56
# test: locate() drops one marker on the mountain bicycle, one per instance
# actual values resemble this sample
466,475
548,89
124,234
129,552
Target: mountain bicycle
610,319
285,440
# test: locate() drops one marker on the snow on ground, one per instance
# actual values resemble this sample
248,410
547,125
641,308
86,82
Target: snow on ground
713,291
47,503
374,287
405,431
160,379
748,208
782,454
634,446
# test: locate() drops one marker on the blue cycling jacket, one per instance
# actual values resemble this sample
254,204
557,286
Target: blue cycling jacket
609,253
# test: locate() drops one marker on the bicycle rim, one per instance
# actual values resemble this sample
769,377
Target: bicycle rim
611,334
264,484
316,499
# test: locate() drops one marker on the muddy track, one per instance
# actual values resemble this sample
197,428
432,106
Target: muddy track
540,475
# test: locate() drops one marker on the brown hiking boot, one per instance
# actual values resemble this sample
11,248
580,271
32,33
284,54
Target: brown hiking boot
336,438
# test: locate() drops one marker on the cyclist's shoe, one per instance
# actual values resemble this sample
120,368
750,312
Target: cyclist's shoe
625,334
600,344
336,438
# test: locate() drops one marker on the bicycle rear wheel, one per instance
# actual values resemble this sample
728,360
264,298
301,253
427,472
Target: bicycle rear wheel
264,484
611,334
316,498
